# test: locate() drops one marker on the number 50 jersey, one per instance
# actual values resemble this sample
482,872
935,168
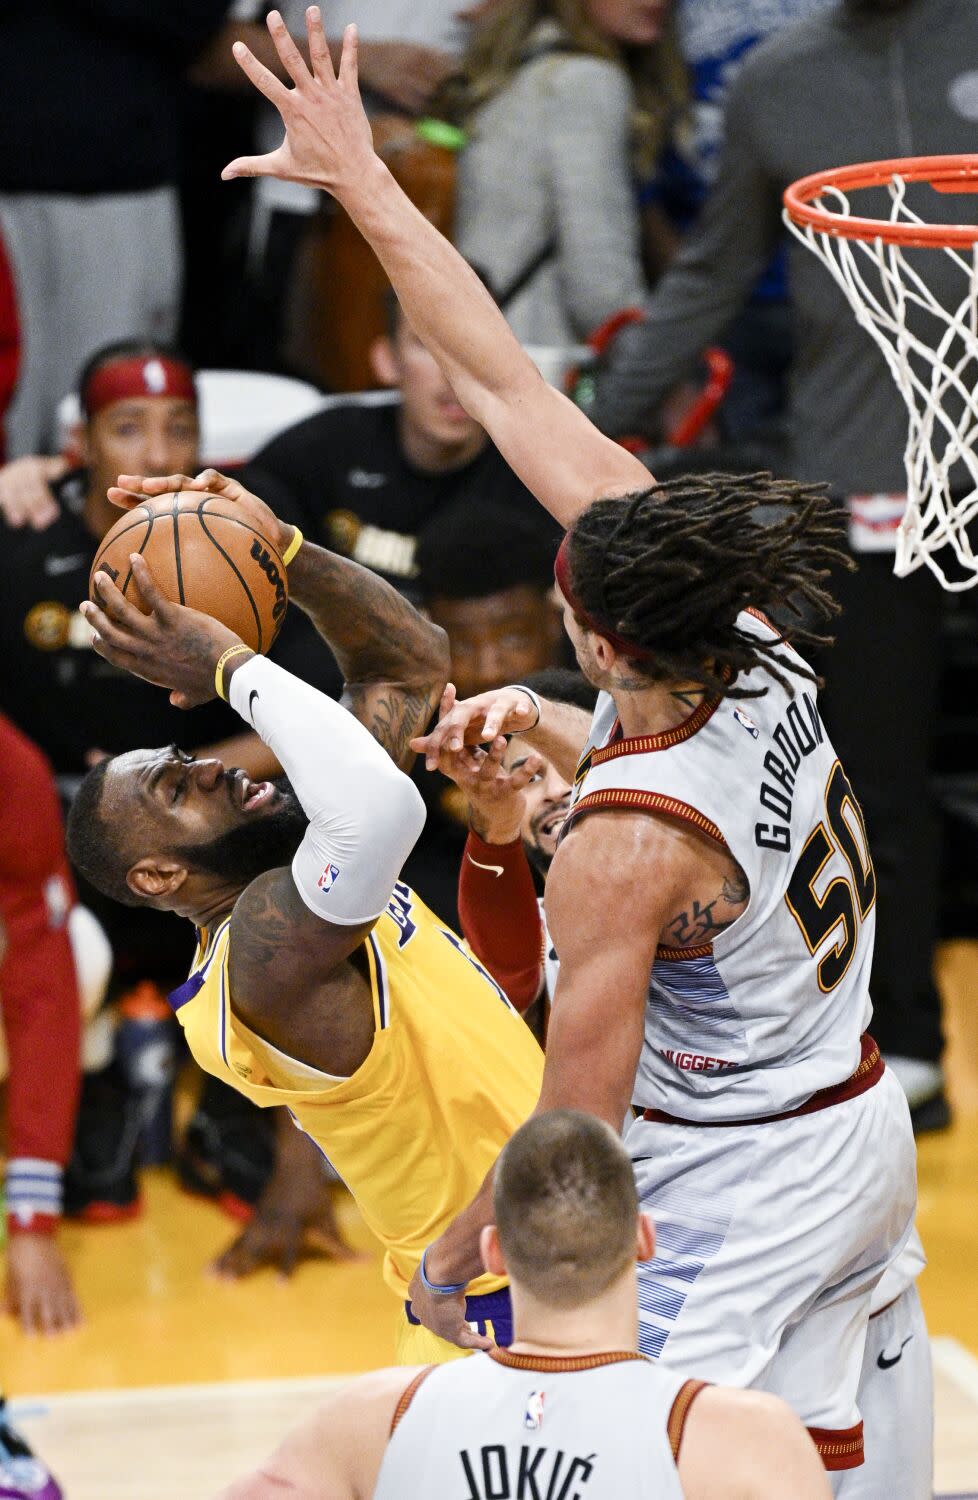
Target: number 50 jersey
773,1009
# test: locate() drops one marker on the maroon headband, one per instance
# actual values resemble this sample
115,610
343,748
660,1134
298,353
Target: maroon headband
138,376
562,573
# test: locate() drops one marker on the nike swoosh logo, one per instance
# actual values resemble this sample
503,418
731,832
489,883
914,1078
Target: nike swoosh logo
885,1364
496,870
54,566
251,698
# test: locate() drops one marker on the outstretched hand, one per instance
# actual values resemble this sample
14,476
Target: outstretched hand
328,143
495,792
172,646
476,721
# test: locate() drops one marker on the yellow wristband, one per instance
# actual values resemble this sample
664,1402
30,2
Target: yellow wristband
219,669
294,545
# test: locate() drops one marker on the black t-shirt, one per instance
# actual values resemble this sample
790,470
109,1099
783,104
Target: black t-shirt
92,92
360,496
61,692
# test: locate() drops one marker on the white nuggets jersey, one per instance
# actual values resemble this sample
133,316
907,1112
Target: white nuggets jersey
505,1426
771,1010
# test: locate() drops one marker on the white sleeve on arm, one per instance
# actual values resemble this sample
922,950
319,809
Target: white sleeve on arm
364,814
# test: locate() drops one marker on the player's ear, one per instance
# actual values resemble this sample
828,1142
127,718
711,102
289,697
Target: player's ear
491,1251
605,654
644,1238
155,877
384,362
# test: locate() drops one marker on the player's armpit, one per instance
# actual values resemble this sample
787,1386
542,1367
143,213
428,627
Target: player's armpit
613,883
335,1454
744,1445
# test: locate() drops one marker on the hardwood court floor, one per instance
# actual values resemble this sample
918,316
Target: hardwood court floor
177,1382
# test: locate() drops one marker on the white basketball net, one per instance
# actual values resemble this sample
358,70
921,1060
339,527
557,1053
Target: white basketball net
938,380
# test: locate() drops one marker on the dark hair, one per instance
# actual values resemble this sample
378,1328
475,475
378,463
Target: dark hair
671,568
478,547
565,1207
124,349
92,846
563,685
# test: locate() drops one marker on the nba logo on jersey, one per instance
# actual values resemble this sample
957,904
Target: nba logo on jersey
533,1415
328,878
747,722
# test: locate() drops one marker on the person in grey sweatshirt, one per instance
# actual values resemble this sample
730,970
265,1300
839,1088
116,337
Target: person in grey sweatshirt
862,81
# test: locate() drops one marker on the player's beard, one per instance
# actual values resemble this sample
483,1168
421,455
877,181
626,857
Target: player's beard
258,843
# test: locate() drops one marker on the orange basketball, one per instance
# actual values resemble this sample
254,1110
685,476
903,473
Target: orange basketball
204,553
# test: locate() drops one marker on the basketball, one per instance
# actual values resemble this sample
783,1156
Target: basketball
205,554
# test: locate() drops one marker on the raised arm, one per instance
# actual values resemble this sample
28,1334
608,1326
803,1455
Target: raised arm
551,445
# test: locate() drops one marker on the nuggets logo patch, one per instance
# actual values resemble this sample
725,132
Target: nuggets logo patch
533,1415
747,722
328,878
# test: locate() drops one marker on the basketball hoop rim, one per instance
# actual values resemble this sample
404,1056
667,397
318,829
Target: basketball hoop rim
946,174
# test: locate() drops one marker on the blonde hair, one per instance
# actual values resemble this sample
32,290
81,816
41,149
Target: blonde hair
499,47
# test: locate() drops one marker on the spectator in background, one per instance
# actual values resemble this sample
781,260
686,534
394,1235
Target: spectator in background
407,48
486,578
40,1009
368,478
563,100
914,59
88,158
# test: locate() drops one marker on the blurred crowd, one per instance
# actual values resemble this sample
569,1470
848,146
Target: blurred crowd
613,169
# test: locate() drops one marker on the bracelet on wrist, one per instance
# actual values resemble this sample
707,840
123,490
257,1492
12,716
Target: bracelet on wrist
448,1289
237,650
294,545
534,699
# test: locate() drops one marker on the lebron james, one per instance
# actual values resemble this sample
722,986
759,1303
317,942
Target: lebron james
320,983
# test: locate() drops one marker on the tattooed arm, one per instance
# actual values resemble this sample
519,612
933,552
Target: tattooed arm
394,661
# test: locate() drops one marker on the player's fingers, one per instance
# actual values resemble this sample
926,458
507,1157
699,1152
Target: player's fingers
289,1257
319,53
123,499
110,634
220,484
254,166
148,587
263,78
468,1339
503,708
154,484
522,776
112,603
349,58
289,54
448,700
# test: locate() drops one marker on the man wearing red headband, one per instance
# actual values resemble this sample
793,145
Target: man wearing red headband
139,412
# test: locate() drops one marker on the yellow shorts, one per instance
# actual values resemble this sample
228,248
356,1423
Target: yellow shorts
417,1345
489,1313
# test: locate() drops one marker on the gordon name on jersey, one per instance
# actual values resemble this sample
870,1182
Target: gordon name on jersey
772,1009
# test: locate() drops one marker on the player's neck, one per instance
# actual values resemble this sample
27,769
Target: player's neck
207,912
609,1322
654,709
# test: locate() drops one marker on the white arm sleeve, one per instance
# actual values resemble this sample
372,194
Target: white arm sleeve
364,814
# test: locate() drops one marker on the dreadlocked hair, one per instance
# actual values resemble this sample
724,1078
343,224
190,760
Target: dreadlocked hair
672,567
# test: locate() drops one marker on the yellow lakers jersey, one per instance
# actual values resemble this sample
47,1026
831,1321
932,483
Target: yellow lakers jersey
453,1070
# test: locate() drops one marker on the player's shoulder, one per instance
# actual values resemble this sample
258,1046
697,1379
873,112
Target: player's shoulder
754,1439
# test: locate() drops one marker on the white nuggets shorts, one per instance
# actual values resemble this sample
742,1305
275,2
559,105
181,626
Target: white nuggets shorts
770,1239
